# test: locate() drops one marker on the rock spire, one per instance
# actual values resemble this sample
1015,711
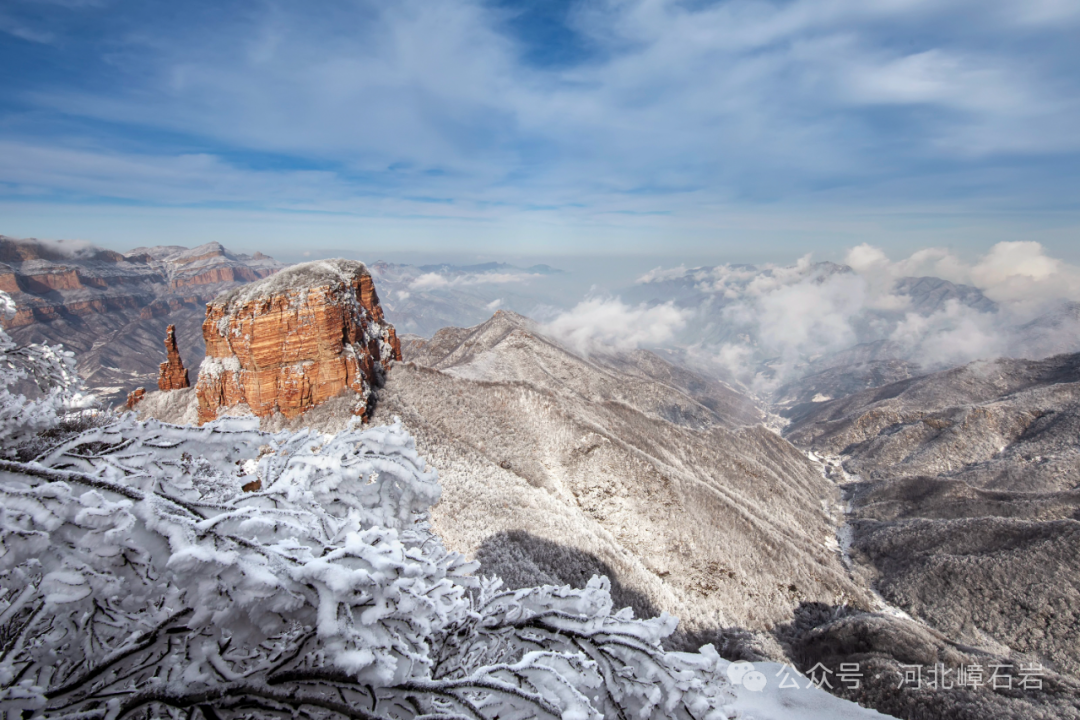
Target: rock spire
172,375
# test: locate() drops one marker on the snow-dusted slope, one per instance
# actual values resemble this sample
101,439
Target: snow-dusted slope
509,348
965,509
555,466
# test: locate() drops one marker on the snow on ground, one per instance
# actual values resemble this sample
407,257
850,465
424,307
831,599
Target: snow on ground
796,702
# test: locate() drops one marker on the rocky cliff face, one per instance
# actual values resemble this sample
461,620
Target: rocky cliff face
135,397
172,375
50,281
290,342
111,309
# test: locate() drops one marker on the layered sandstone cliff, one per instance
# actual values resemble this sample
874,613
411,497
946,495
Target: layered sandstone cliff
51,281
112,309
172,375
294,340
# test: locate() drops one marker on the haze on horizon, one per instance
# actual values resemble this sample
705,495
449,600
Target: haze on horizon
742,130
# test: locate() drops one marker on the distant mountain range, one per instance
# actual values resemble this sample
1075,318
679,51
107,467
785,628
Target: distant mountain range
112,309
423,299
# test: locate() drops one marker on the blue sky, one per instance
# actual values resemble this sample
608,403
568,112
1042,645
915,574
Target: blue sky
738,130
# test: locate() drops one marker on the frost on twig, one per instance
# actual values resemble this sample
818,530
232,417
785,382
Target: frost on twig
139,580
49,370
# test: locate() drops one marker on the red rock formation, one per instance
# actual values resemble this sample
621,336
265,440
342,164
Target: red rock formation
49,281
294,340
63,279
9,282
172,375
134,397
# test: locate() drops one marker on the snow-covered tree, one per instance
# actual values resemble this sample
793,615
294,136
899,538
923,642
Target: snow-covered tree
140,580
50,368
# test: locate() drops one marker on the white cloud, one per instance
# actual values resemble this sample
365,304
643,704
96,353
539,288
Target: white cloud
1018,274
766,325
809,318
786,316
937,77
429,281
703,102
660,274
436,281
609,323
1022,274
23,32
951,336
494,304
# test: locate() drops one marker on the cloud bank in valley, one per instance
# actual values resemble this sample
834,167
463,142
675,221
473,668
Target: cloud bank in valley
609,323
1019,275
766,325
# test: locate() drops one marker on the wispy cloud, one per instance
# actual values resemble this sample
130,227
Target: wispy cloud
23,32
434,280
675,112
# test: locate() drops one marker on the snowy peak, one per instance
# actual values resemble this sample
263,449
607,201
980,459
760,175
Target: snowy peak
510,348
929,295
457,347
305,276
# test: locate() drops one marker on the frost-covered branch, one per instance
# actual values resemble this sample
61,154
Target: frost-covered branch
50,370
138,579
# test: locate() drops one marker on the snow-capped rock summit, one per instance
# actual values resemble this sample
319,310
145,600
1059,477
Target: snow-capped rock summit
294,340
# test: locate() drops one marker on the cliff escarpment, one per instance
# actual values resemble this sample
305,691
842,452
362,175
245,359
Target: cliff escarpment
295,340
111,309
